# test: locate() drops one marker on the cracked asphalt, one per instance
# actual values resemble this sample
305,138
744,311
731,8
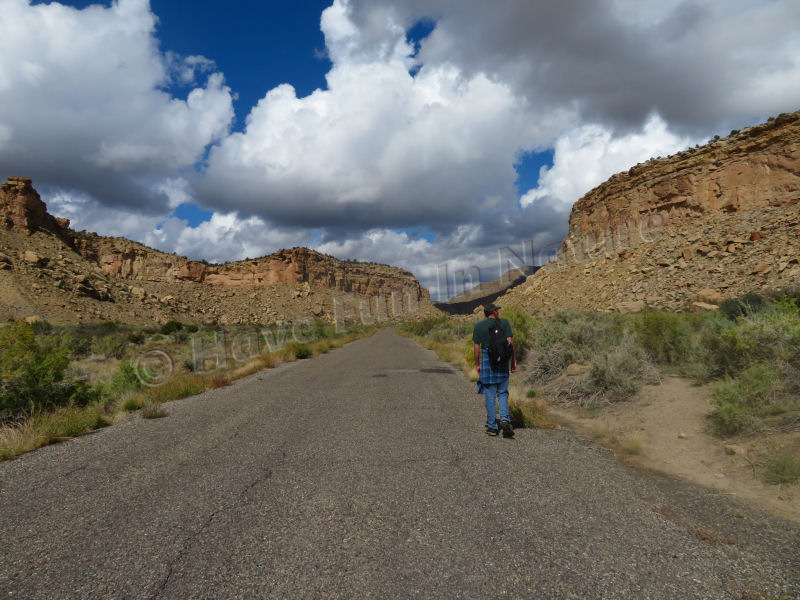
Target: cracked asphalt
365,473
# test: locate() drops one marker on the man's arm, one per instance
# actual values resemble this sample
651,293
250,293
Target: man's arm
513,356
476,348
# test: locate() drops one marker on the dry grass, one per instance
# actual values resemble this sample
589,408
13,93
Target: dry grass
632,445
41,429
221,380
530,414
153,411
178,387
254,365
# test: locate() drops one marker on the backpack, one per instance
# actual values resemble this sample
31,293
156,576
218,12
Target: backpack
500,349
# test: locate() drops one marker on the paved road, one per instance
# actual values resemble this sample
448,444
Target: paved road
365,473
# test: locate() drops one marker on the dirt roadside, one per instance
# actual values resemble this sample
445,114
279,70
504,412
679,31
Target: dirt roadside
663,428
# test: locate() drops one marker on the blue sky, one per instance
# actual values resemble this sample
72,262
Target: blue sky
415,132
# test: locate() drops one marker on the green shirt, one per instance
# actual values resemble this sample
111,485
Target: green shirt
480,334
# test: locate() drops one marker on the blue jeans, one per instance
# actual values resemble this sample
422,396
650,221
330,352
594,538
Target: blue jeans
498,391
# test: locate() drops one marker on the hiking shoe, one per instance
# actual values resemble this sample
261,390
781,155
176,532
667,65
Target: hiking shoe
508,430
492,432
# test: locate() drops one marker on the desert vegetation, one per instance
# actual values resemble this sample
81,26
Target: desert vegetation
61,382
749,350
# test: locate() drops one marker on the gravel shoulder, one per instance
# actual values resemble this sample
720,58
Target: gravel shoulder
365,473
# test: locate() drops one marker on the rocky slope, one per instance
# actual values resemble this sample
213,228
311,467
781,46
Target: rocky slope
487,292
51,272
682,232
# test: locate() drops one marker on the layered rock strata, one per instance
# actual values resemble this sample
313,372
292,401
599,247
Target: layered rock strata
22,207
52,272
723,218
753,168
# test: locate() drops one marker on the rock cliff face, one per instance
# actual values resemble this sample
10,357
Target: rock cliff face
123,259
716,221
21,207
756,167
51,272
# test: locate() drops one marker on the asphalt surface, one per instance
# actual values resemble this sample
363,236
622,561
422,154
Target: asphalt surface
365,473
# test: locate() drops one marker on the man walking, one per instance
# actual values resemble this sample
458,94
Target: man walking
493,378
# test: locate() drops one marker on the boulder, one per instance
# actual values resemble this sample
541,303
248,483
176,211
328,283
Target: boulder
709,296
635,306
702,307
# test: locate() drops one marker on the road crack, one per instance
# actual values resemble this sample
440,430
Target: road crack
206,524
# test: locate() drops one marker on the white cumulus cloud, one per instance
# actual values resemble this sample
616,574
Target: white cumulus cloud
379,147
84,106
588,155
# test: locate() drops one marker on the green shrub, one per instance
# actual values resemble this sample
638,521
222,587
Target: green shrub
171,327
132,403
782,469
136,337
589,333
730,418
32,374
744,305
323,329
619,374
298,350
522,326
771,335
41,327
124,380
109,346
192,328
666,336
425,326
739,400
79,347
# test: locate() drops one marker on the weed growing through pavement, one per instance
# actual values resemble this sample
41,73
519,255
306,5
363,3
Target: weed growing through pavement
153,411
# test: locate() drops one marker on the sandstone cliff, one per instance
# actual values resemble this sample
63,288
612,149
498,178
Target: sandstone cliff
722,217
22,207
754,168
123,259
49,271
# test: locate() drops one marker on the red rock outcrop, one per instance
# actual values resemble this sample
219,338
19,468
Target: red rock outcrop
708,223
51,271
756,167
123,259
22,207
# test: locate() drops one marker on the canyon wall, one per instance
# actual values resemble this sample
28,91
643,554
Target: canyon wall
756,167
50,271
123,259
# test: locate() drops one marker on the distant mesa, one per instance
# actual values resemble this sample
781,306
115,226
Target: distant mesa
51,272
467,302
